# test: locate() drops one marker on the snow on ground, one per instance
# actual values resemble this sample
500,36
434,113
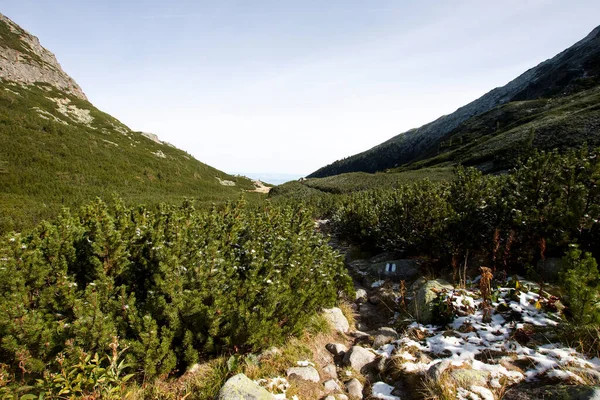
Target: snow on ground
503,347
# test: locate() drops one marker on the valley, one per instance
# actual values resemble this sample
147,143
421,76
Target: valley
457,260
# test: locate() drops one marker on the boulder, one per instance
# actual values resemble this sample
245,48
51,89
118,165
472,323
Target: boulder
336,318
424,296
361,294
358,357
436,370
465,377
240,387
331,386
554,392
305,373
330,371
383,336
336,348
354,388
399,269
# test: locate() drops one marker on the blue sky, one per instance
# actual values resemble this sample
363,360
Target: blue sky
289,86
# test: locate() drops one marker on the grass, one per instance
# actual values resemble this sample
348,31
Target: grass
46,165
206,379
358,181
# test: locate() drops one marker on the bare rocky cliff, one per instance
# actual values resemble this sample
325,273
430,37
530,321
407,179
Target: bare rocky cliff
23,59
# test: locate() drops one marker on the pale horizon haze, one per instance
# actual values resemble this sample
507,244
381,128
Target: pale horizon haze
281,87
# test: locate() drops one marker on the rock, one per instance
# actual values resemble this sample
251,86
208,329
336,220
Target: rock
358,357
354,388
240,387
554,392
330,371
466,378
341,396
270,353
421,305
305,373
29,62
330,397
336,348
383,336
331,386
361,326
436,370
399,269
336,318
361,294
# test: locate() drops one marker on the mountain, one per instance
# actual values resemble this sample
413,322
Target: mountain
553,104
57,149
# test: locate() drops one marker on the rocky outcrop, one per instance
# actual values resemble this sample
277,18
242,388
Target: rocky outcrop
24,60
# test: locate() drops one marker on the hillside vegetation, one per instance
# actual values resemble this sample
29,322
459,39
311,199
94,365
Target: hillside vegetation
58,150
172,287
551,106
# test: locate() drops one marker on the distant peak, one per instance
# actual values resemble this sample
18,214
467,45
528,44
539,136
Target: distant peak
24,60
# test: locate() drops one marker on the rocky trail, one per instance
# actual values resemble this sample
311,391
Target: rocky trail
503,346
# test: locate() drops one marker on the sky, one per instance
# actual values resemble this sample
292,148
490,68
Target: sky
286,87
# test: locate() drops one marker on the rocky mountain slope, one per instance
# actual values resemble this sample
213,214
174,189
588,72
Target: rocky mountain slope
561,79
57,149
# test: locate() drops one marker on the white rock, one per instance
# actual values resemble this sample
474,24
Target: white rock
304,373
331,386
336,318
336,348
361,294
357,357
354,388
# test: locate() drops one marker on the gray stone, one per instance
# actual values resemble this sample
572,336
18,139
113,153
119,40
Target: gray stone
305,373
358,357
240,387
383,336
331,386
399,269
330,371
361,294
336,318
554,392
436,370
469,377
354,388
422,303
336,348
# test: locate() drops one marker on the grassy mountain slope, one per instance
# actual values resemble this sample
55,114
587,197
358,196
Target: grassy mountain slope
544,98
57,149
50,159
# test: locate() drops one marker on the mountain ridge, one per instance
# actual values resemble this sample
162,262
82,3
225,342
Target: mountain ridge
566,73
57,149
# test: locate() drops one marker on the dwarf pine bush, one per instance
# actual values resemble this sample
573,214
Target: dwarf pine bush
581,284
174,285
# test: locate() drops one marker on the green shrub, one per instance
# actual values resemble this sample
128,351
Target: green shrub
581,285
174,285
